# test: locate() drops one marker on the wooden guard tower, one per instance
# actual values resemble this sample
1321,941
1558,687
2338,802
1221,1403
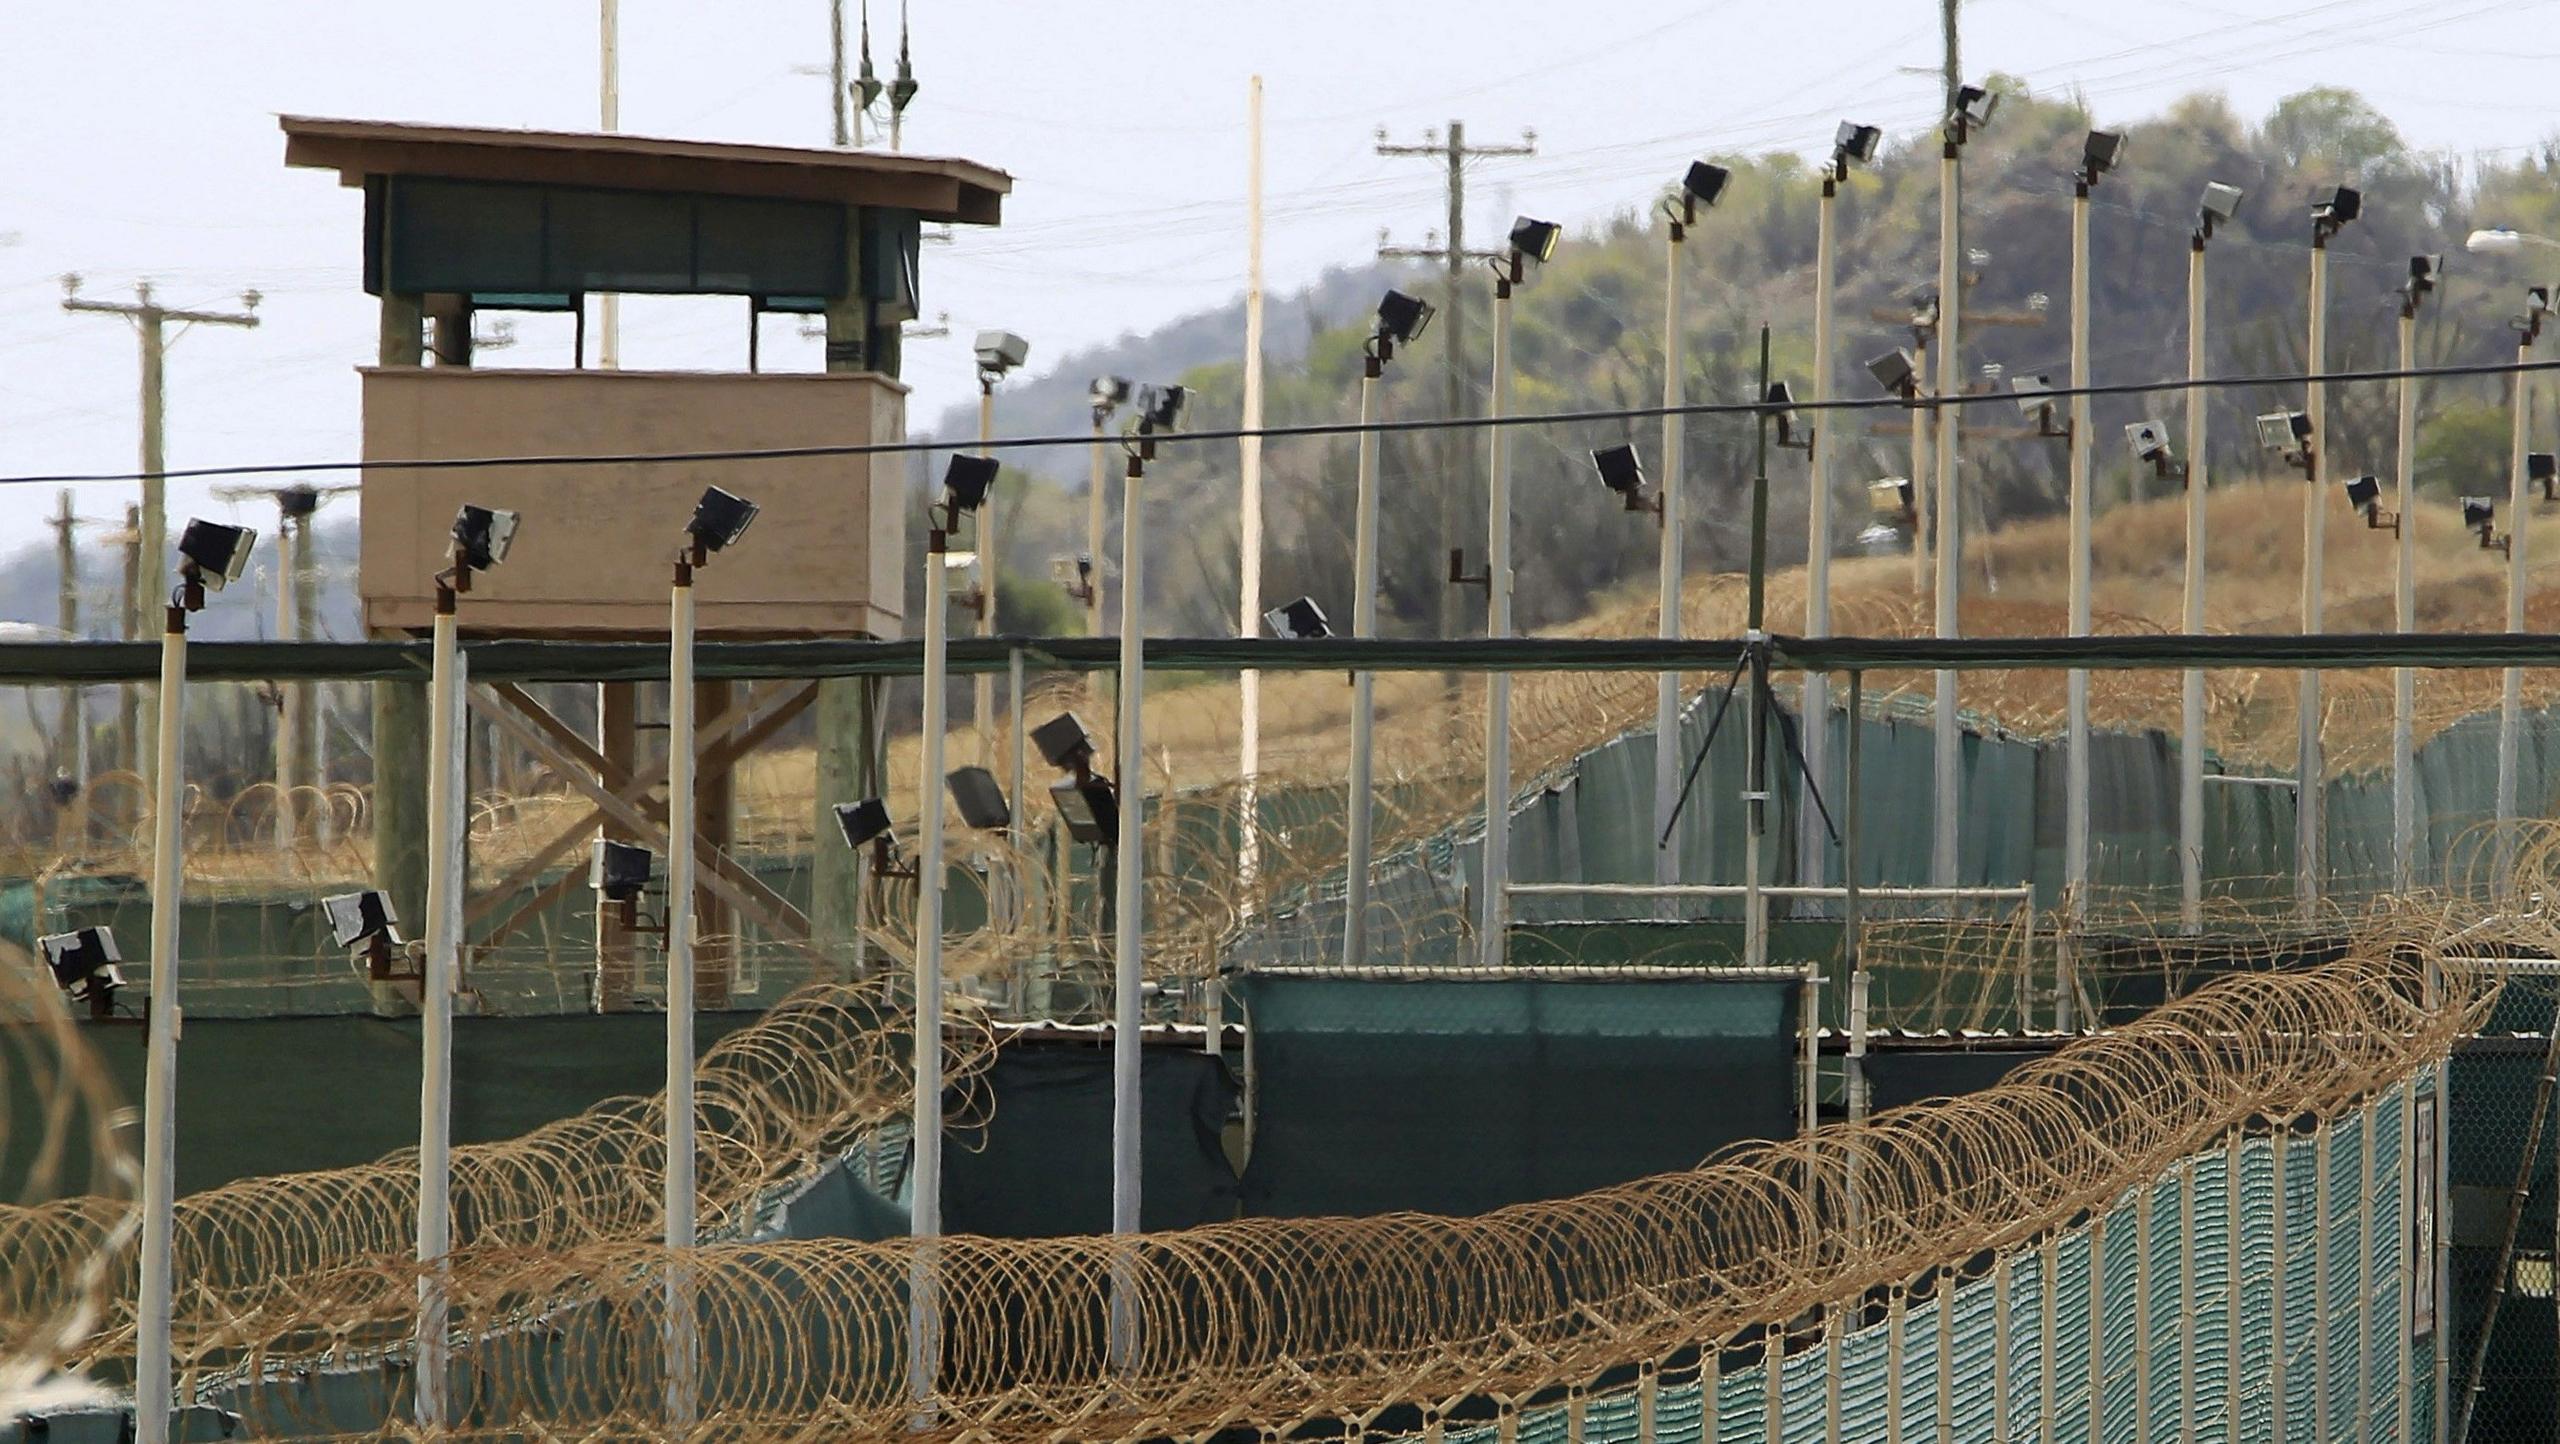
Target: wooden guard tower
461,220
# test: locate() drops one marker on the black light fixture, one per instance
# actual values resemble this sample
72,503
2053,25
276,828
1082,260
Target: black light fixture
980,798
621,870
2542,469
2149,442
1108,394
1702,183
1854,143
862,822
2425,272
1535,240
1898,372
297,502
2283,432
1780,402
2217,206
1160,407
1622,471
2331,212
2364,493
83,963
1064,742
213,555
1299,621
1090,807
482,536
1402,318
719,519
1973,108
2480,514
966,481
2100,152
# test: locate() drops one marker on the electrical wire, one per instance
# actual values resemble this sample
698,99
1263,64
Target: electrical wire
1304,429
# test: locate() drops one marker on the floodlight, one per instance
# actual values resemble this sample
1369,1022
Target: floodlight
1000,352
621,870
83,963
1622,472
2100,152
1402,318
966,481
862,822
214,554
2341,205
2284,431
2497,242
1891,498
719,519
1780,400
1160,407
1535,239
2537,302
1897,371
2479,513
979,797
1090,807
359,917
482,536
2363,491
2149,440
1299,621
2425,272
1108,393
1064,742
2541,469
1855,142
2220,203
298,501
1704,182
1974,106
2034,393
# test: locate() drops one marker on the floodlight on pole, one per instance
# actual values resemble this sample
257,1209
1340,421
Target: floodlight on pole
1854,144
1971,109
1851,143
2100,151
2501,241
1622,471
998,353
1780,404
482,536
210,554
84,963
980,798
2426,272
2217,207
1401,319
2528,329
1531,240
1299,621
1105,395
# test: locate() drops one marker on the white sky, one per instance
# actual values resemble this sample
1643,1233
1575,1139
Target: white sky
142,143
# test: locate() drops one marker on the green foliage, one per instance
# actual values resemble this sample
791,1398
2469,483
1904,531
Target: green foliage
2467,449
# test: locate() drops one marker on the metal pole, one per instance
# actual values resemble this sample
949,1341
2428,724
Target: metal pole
609,118
435,1017
1948,744
1129,858
155,498
982,688
1248,562
1666,696
2511,682
2404,797
2309,769
1850,918
1816,693
1364,706
1493,907
924,1304
2075,790
835,68
2191,617
151,1382
1924,538
1755,782
681,800
288,733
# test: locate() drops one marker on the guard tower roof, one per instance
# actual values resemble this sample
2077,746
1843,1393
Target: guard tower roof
936,188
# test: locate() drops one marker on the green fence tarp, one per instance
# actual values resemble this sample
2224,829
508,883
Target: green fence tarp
1039,1164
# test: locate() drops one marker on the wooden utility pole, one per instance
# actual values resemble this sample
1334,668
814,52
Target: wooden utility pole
151,321
1948,38
71,731
1456,521
128,619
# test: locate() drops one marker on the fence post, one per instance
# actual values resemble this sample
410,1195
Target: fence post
1831,1383
1946,1430
2097,1325
1896,1316
2142,1210
2365,1272
2404,1239
1710,1393
2047,1426
2235,1203
2188,1312
1773,1382
2002,1340
2322,1320
1648,1403
2276,1139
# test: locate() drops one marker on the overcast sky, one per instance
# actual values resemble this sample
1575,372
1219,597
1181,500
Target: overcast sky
142,142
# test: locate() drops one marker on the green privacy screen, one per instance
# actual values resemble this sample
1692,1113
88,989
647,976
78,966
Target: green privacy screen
1460,1096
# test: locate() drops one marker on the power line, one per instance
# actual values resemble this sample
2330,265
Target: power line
1081,440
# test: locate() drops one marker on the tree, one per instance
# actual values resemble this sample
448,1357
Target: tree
2330,128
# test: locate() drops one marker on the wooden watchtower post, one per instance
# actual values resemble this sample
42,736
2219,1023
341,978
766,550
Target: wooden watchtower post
461,220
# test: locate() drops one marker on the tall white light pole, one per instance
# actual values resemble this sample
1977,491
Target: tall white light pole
2098,154
1400,318
2519,525
2220,203
1817,527
212,555
609,120
1530,240
436,984
1703,183
2310,852
2404,612
1109,393
1972,108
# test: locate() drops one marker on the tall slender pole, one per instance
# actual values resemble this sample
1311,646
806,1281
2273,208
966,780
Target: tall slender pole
1666,693
151,1380
2075,788
1364,696
2511,682
1097,520
1810,842
311,755
835,69
1755,780
1947,747
982,688
1129,858
609,120
155,495
1493,909
288,732
2404,615
1924,539
435,1015
924,1305
2309,770
681,826
1248,556
71,743
2191,617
